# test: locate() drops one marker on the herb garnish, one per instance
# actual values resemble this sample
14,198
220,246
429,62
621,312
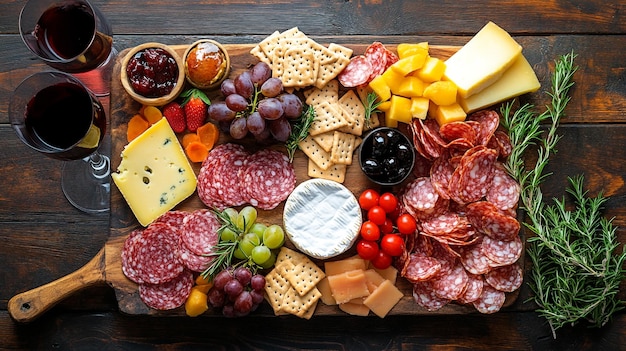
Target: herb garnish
371,107
300,131
575,275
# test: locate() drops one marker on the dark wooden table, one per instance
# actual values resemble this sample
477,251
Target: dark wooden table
44,237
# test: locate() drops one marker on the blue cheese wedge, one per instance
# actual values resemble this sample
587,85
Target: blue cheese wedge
154,174
322,218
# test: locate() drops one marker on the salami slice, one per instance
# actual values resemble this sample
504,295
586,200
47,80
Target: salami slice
168,295
490,300
193,262
458,131
130,257
474,175
227,178
440,175
155,256
420,268
269,178
376,54
505,278
488,122
173,218
445,224
425,296
501,142
501,252
199,232
421,195
500,226
207,191
474,289
504,191
356,73
474,260
452,285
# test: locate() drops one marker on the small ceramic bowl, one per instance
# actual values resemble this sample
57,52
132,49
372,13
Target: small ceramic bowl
207,64
386,156
175,78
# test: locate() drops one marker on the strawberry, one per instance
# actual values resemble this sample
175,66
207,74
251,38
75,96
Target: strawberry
175,116
195,105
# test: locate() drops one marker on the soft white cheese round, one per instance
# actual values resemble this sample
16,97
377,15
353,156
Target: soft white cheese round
322,218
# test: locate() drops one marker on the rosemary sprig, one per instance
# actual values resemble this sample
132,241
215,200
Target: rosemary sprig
371,107
300,131
574,273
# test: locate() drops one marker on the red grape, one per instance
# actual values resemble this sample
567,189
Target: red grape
260,72
256,123
244,85
280,129
219,111
236,102
228,87
292,105
238,128
272,87
270,108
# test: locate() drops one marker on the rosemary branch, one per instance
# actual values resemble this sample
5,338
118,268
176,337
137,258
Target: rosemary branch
300,131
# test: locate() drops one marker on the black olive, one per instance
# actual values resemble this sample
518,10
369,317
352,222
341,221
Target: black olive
403,153
393,137
379,140
372,167
390,165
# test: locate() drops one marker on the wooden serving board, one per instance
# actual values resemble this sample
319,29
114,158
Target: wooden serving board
106,266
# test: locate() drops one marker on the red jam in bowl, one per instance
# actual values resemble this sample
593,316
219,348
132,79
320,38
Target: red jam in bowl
152,72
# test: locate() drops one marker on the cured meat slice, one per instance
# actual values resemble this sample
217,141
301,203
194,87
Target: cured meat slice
451,285
445,224
168,295
501,142
421,195
505,278
207,191
422,166
129,257
227,178
376,54
474,260
356,73
474,289
490,300
391,58
193,262
470,180
502,252
173,218
269,178
500,226
504,191
440,175
420,268
458,131
153,254
425,296
488,122
199,232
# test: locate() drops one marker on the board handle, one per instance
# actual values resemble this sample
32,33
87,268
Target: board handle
29,305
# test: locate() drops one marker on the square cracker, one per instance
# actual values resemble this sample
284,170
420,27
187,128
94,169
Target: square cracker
276,286
315,152
327,118
343,148
329,70
353,111
287,254
299,68
269,44
300,305
336,173
325,140
304,276
329,92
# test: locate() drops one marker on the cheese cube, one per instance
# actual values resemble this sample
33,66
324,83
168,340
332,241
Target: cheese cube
482,60
519,79
400,109
154,174
432,70
393,80
442,92
449,113
408,49
419,107
411,63
380,87
411,87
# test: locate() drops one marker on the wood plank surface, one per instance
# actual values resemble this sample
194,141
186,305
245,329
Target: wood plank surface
44,238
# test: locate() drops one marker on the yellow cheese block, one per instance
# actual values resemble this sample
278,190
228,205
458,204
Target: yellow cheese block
154,174
519,79
482,60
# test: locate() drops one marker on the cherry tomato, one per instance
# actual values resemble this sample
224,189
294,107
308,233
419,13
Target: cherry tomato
392,244
406,224
388,202
367,250
377,215
370,231
368,199
381,261
387,227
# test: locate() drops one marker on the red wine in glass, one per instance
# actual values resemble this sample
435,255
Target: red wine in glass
55,114
72,36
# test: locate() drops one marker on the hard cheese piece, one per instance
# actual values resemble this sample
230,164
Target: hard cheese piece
519,79
322,218
483,60
348,285
382,300
154,174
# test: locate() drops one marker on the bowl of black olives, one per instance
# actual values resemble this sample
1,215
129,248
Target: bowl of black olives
386,156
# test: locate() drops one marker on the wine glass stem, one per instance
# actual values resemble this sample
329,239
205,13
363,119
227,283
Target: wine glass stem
100,165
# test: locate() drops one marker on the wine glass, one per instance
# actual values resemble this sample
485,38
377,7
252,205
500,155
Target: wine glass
72,36
55,114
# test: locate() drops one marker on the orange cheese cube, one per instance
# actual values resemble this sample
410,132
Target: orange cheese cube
348,285
383,299
408,49
400,109
196,303
345,265
432,70
419,107
393,80
442,92
380,87
411,87
449,113
410,63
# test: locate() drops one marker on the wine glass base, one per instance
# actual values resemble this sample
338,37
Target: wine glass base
85,190
98,80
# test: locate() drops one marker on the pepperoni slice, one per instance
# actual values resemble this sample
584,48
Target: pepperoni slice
269,178
490,300
505,278
420,268
501,252
425,296
199,232
168,295
356,73
474,289
504,191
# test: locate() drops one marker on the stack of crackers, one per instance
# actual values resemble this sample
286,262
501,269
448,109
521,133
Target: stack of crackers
300,61
291,287
336,130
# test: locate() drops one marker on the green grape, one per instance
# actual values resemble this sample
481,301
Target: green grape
228,235
258,229
246,218
232,214
270,261
260,254
274,236
249,242
239,254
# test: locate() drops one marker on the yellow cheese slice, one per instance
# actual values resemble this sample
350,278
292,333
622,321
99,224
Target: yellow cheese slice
154,174
519,79
482,60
